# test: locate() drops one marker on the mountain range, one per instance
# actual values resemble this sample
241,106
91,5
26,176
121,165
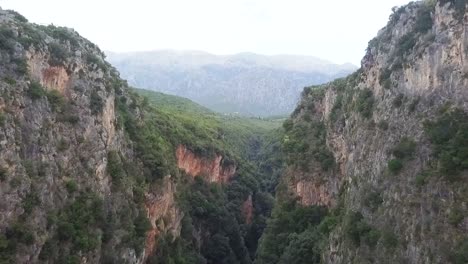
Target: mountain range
244,83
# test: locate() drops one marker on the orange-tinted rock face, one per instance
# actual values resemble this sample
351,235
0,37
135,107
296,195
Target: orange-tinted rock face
212,170
312,193
247,210
55,78
312,189
51,77
163,215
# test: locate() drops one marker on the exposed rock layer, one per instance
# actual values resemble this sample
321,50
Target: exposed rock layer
211,169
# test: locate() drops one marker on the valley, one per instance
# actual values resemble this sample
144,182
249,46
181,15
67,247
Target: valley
368,168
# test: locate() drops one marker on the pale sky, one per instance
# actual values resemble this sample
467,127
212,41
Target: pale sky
335,30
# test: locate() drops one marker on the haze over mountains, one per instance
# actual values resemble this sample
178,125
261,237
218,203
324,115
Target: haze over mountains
245,83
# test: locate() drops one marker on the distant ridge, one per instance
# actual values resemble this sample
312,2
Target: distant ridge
245,83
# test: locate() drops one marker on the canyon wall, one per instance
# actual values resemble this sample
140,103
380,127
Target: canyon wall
382,128
211,169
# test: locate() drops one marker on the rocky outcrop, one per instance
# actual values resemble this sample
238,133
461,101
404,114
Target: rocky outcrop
164,215
68,169
211,169
248,210
413,73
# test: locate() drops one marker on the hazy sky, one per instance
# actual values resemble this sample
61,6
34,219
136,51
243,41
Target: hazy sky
336,30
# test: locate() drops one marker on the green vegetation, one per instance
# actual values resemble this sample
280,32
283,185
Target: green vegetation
304,140
336,108
190,125
405,148
36,91
29,202
304,143
423,24
293,234
398,100
21,66
422,178
173,103
3,174
414,103
383,125
403,151
18,16
71,186
214,209
449,137
58,53
456,216
96,103
95,60
114,167
395,166
372,199
384,78
18,234
460,253
7,39
357,230
208,208
78,222
365,103
56,100
61,33
2,119
156,125
458,5
62,145
389,239
10,80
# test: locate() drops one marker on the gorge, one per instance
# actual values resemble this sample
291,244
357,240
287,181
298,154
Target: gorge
369,168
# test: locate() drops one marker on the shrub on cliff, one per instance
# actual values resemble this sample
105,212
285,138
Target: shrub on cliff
365,103
96,103
7,39
36,90
460,253
78,222
58,54
404,149
115,168
395,166
449,136
357,229
56,100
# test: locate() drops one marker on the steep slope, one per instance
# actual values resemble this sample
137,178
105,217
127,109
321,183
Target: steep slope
91,172
246,83
377,162
72,187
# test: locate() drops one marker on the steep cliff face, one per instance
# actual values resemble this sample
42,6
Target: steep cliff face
215,169
385,147
164,215
90,172
72,184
